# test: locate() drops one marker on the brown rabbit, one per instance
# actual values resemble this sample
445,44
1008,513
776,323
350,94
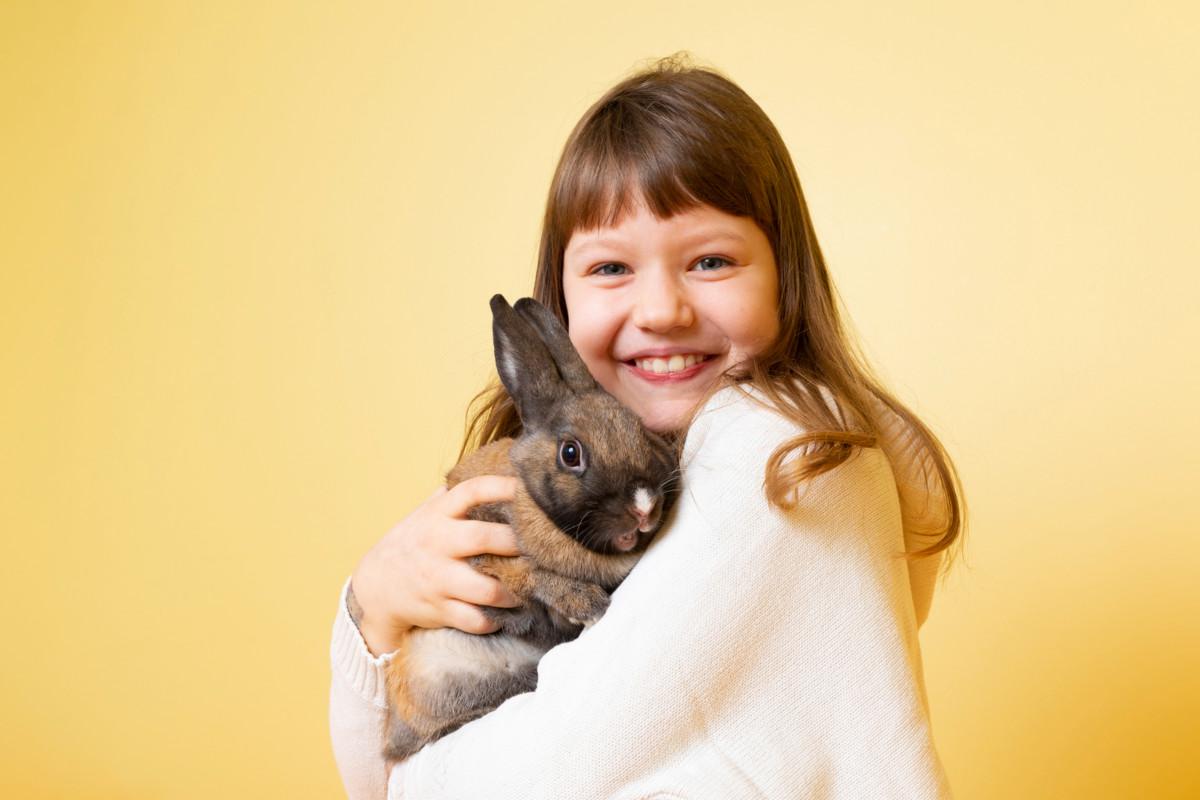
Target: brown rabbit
594,486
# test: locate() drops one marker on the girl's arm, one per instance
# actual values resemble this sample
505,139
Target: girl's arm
752,652
357,702
414,575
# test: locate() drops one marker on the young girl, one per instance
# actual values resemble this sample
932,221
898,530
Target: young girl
766,644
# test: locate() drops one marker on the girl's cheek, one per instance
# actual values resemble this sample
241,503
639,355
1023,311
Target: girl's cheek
581,336
591,326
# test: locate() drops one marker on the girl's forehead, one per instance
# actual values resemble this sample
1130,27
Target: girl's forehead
700,218
611,203
636,212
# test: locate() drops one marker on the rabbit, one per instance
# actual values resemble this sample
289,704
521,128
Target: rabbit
594,486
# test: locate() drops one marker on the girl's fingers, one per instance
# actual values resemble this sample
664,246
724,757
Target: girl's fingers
483,590
477,491
472,537
468,618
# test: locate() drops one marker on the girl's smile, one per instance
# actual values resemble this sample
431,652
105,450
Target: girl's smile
669,367
658,309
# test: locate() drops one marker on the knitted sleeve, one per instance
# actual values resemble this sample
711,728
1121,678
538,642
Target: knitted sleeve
753,652
357,701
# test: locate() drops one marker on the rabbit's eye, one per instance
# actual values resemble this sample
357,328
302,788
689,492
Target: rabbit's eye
570,454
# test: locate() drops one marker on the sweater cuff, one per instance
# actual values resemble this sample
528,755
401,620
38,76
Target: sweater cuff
351,659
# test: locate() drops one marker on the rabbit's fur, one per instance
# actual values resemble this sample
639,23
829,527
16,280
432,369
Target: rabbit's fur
580,528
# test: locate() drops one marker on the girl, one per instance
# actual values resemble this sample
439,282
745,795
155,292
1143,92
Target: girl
766,644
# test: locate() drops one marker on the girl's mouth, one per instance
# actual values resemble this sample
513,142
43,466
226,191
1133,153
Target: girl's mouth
669,370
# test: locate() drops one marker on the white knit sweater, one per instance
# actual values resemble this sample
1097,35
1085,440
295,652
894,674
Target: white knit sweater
751,653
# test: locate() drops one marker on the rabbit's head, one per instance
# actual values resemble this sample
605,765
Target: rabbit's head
587,461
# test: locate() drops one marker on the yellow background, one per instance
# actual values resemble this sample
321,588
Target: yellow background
246,256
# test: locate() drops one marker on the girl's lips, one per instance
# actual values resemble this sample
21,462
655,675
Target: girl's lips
668,377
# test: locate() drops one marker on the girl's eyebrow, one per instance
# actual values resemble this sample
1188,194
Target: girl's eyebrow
598,241
698,236
712,234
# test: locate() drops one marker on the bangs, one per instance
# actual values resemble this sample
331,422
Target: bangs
607,189
669,161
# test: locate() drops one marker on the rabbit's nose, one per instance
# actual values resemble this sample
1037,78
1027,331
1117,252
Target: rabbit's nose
645,509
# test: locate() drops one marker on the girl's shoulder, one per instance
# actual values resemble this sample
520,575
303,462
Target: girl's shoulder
735,436
729,444
739,451
743,413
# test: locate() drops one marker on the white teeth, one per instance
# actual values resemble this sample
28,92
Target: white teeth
664,366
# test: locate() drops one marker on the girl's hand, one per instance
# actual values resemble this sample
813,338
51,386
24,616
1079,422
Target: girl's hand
416,576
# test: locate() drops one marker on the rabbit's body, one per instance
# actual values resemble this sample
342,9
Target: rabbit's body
580,529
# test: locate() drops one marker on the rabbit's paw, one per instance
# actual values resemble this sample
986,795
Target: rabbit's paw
585,606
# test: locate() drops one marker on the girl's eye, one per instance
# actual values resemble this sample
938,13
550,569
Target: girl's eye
712,262
603,269
570,455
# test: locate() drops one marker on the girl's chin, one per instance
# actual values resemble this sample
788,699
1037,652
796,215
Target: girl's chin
664,409
661,422
663,403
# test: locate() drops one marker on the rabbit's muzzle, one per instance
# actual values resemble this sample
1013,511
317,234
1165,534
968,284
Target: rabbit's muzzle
640,519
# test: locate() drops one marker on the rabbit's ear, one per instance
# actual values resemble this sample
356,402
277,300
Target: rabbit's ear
566,357
524,363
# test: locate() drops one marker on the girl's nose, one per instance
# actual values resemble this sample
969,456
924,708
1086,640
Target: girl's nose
662,305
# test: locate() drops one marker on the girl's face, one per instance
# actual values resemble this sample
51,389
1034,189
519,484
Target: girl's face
659,308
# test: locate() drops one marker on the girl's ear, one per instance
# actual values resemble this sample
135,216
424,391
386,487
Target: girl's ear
524,363
570,366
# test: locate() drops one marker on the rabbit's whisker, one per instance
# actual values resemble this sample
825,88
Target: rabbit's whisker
578,526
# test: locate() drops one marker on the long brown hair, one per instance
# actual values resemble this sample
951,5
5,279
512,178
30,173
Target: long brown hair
677,136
